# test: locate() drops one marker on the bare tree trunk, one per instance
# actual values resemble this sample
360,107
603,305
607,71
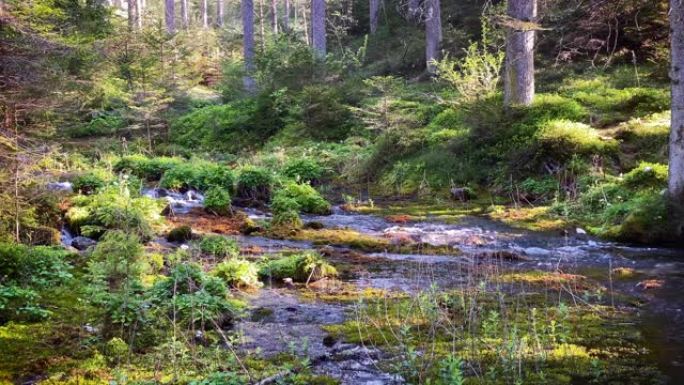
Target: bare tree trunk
306,25
286,16
219,13
274,16
374,6
433,33
261,26
132,15
519,76
140,12
318,37
676,161
185,19
248,44
205,14
170,16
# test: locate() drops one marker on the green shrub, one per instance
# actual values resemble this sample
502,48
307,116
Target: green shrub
107,124
197,174
286,212
90,182
146,168
195,297
308,200
217,201
180,234
647,175
254,184
114,208
28,276
237,273
642,219
308,266
219,246
304,170
323,114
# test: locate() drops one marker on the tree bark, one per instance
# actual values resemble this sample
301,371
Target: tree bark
262,30
185,19
676,161
433,33
205,14
318,37
133,15
519,71
248,44
374,7
274,16
306,25
219,13
140,12
170,16
286,16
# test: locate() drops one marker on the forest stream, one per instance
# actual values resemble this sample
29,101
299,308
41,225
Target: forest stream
282,320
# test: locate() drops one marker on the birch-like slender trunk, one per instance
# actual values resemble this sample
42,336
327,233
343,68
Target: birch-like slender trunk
676,162
185,19
262,30
433,33
306,25
318,37
274,16
286,16
247,10
519,71
374,7
140,12
170,16
219,13
205,14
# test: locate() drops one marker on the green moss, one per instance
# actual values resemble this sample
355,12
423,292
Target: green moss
304,267
219,246
180,234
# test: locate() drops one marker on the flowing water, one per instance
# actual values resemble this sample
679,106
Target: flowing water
283,322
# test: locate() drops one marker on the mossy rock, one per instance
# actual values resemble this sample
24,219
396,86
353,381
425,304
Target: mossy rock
41,235
180,234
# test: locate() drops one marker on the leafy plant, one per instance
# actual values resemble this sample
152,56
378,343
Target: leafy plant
254,184
305,267
27,274
219,246
237,273
217,200
304,170
307,199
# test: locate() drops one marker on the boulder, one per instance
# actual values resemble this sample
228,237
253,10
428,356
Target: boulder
82,243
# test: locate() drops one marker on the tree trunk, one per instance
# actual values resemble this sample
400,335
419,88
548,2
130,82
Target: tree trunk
140,12
170,16
318,37
519,76
262,30
248,44
306,25
132,15
374,7
205,14
286,16
676,162
185,19
433,33
274,16
219,13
